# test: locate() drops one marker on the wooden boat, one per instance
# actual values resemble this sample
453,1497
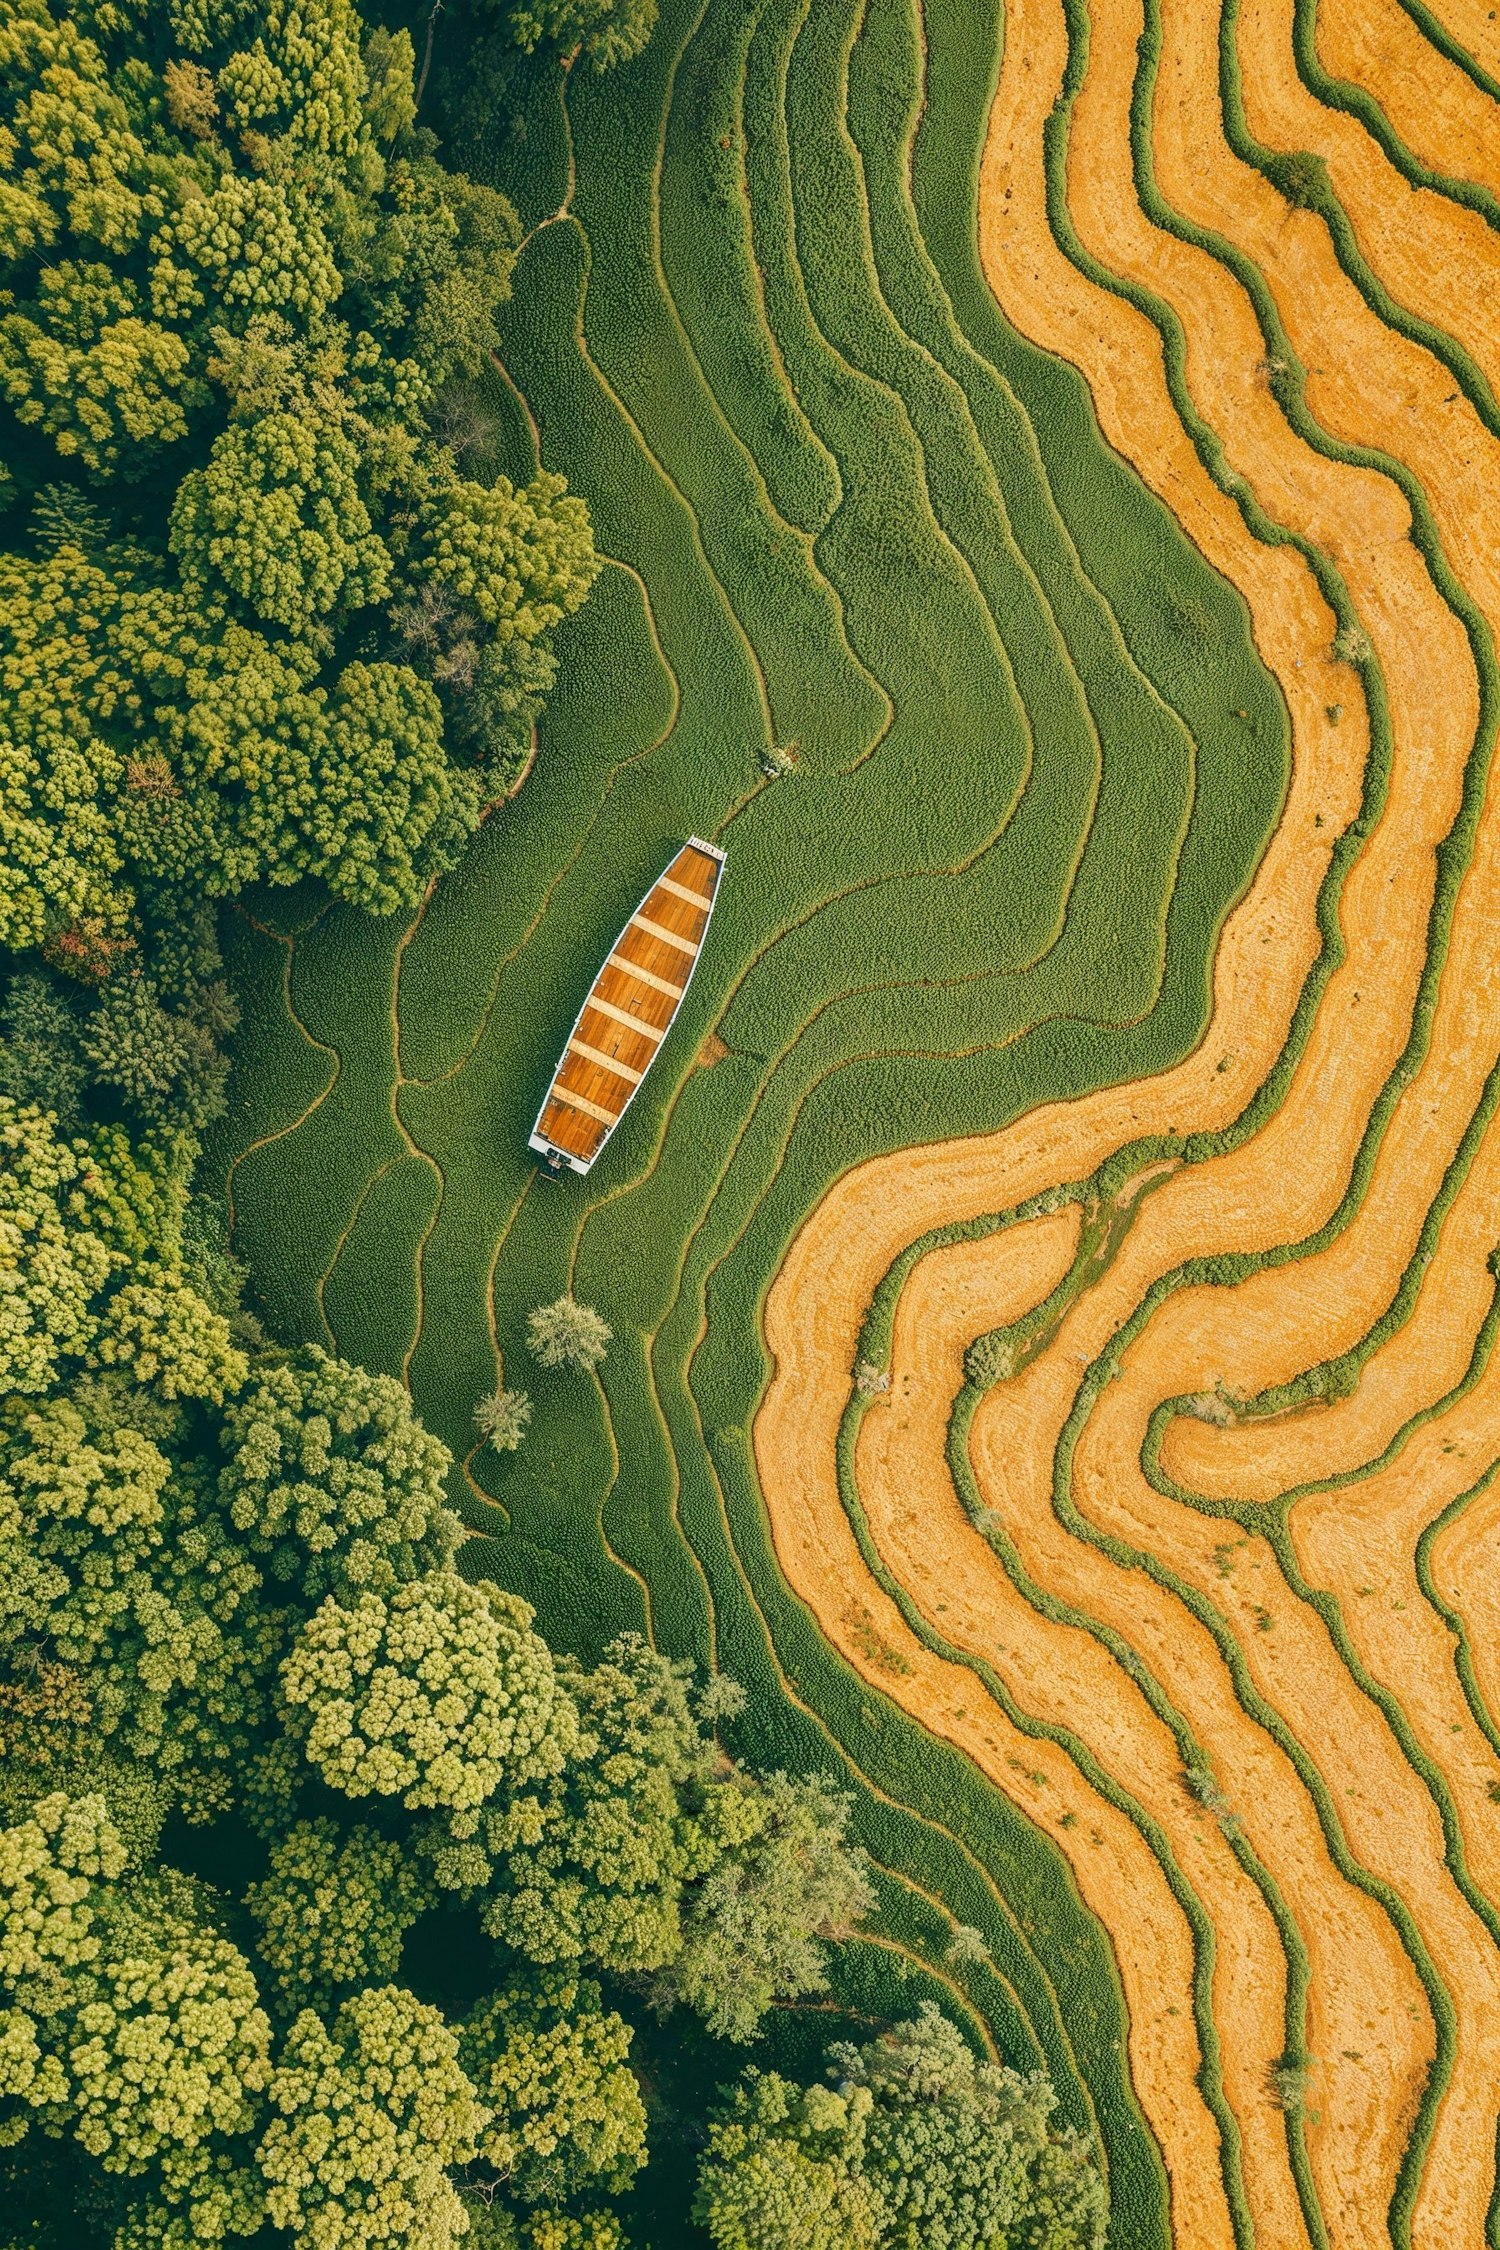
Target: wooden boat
629,1011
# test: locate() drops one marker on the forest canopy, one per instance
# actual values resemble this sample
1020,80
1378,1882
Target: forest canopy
260,622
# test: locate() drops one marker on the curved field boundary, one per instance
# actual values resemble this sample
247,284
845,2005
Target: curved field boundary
857,515
1406,2194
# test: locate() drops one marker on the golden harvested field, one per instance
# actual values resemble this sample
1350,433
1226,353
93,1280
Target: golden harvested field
1230,1524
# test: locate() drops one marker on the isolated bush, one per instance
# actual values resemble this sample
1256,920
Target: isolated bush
501,1419
567,1334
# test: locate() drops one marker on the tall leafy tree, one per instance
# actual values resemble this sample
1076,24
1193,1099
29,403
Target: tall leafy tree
370,2112
605,32
551,2063
437,1697
332,1482
129,2025
333,1911
785,2169
918,2143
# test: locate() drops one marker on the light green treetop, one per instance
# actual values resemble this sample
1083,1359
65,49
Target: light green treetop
963,2150
751,1928
551,2063
111,1566
54,1263
439,1696
276,521
334,1910
369,2114
333,1480
131,2026
784,2170
592,1867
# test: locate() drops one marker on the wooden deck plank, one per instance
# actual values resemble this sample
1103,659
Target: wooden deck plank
652,1031
683,890
561,1093
686,945
577,1046
646,976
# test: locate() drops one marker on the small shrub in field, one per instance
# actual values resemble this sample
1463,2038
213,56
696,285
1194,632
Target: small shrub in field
990,1359
501,1419
1301,177
869,1380
567,1334
966,1948
720,1698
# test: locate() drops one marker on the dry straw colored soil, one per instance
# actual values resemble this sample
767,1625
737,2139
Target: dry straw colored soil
1303,1597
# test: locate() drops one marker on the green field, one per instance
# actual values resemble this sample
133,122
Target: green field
850,513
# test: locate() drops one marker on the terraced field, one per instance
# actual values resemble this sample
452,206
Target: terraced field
1097,1032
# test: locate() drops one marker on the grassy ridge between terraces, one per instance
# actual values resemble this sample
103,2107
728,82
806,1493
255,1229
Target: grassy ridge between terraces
1344,1373
851,512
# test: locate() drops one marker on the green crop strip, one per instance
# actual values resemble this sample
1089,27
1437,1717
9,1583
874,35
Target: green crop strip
1437,34
1458,838
1463,1656
853,513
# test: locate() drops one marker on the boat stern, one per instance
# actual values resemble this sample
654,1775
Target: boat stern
556,1160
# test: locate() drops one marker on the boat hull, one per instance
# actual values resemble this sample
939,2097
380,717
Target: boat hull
631,1006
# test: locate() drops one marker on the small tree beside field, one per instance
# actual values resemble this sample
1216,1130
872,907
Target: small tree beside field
567,1334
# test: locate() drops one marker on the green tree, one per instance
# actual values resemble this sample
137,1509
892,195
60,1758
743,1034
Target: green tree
784,2170
594,1868
114,1568
605,32
551,2064
751,1926
80,361
369,2114
333,1911
650,1855
437,1696
55,1253
41,1060
129,2024
167,1065
332,1482
230,262
524,559
501,1419
921,2143
964,2151
159,1328
276,521
567,1334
